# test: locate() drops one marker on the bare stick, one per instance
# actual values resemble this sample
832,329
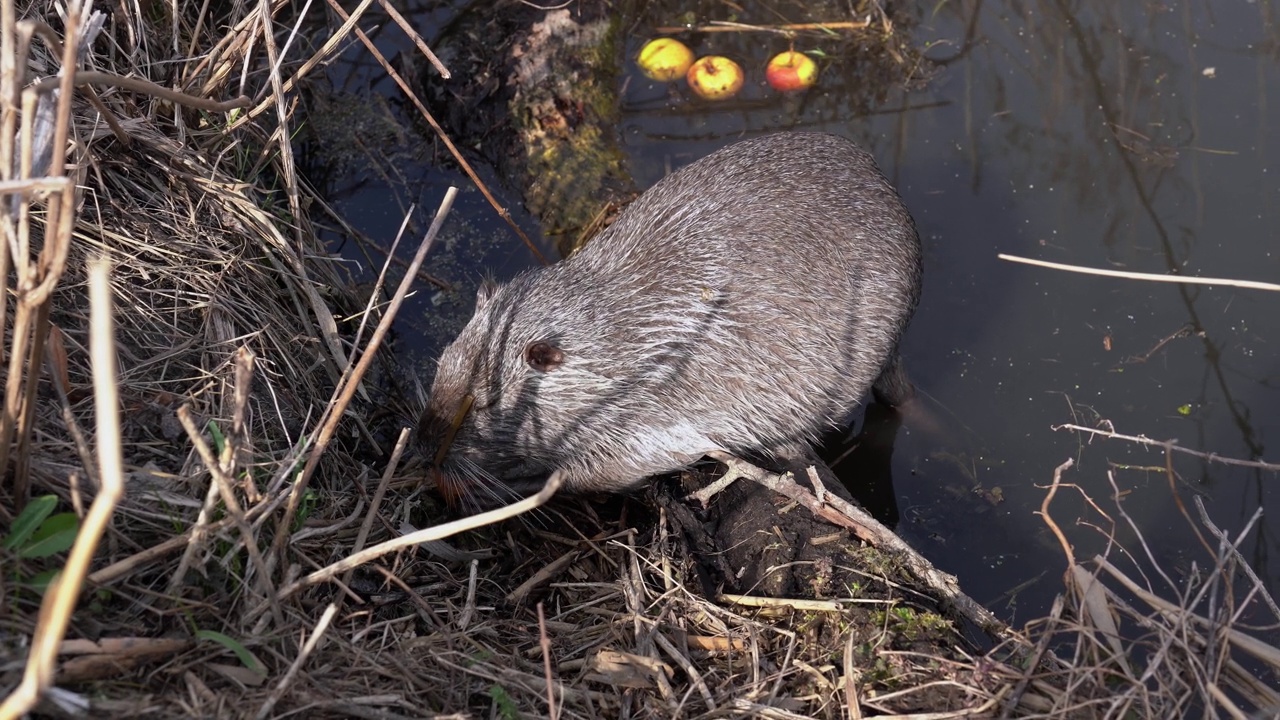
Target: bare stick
1234,548
416,38
545,643
60,598
694,676
401,443
844,514
437,532
121,568
307,647
88,77
723,26
1171,445
1252,284
226,488
852,703
348,390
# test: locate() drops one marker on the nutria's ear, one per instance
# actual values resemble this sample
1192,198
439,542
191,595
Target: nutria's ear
543,356
483,293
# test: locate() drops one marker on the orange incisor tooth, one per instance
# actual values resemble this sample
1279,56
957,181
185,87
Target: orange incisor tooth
463,408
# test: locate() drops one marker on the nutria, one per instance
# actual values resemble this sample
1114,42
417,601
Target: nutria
746,303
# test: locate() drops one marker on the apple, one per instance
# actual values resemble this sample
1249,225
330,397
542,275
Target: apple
715,77
664,59
790,71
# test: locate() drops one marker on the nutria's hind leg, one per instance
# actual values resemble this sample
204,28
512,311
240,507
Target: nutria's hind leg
893,388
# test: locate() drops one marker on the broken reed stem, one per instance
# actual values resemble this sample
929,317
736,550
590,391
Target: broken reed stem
61,596
282,135
35,281
437,532
376,502
325,53
347,387
400,20
316,634
227,491
1150,277
544,642
378,284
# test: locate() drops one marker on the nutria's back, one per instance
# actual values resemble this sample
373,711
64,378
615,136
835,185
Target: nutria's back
745,302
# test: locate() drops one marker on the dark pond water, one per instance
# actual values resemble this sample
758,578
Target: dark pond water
1135,136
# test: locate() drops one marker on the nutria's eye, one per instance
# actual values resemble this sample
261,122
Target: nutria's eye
543,356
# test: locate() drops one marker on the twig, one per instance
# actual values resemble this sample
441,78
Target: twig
1261,650
193,539
544,574
1235,550
226,489
437,532
89,77
61,595
723,26
1033,665
346,391
121,568
1181,332
1252,284
844,514
544,642
1171,445
416,38
307,648
694,676
376,502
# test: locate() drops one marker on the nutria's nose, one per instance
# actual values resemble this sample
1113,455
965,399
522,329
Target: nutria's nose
431,431
436,431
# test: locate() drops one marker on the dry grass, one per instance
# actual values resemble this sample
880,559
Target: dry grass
222,472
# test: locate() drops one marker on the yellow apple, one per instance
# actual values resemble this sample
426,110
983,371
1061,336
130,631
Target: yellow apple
715,77
791,71
664,59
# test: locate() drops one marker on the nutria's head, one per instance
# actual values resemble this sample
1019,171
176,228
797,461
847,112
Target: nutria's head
519,392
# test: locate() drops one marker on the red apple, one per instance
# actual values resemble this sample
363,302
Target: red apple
790,71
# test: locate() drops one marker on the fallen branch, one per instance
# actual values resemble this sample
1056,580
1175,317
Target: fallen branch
844,514
1172,446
